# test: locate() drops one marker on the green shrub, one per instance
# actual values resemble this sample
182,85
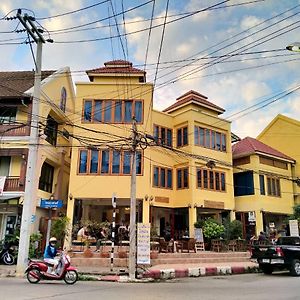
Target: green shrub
212,229
59,229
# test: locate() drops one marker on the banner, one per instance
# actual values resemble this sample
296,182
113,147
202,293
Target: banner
143,243
2,182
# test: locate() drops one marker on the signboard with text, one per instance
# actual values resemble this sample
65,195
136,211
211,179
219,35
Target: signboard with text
294,229
143,243
46,203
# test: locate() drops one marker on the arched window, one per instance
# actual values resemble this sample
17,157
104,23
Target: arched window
63,99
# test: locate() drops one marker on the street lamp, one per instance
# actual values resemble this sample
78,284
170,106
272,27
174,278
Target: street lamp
295,47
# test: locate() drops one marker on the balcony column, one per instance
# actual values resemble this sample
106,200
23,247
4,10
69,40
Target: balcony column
70,215
60,176
192,220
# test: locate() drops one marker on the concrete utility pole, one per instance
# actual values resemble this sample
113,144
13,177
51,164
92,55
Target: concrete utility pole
31,184
132,226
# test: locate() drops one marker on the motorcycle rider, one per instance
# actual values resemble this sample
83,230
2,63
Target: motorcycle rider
50,253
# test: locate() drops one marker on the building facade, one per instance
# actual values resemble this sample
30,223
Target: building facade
184,170
263,186
54,151
283,134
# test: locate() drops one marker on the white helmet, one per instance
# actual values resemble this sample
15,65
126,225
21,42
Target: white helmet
53,239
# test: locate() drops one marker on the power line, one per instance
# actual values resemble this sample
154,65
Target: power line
73,11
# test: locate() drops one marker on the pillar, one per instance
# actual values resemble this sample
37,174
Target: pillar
232,215
259,222
70,214
146,211
192,220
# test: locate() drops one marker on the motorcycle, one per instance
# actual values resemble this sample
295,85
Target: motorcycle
38,270
7,253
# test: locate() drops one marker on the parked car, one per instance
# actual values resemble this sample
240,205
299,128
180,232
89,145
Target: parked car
283,255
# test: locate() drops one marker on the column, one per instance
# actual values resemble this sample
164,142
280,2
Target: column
259,222
70,214
192,220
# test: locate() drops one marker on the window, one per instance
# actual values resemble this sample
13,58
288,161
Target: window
163,135
138,111
128,111
105,162
243,183
116,162
51,130
94,161
107,111
273,187
211,180
162,177
63,99
262,184
83,161
182,178
98,111
108,162
182,137
8,115
46,178
208,138
118,111
112,111
87,113
127,162
273,163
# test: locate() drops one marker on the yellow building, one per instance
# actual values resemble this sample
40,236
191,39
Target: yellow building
263,186
283,134
184,170
52,173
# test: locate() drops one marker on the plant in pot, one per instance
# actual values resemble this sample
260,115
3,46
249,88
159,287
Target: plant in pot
212,230
87,251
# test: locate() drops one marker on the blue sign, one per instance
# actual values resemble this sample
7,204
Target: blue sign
46,203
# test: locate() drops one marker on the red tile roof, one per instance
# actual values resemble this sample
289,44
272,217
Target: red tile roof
250,145
14,84
116,66
193,96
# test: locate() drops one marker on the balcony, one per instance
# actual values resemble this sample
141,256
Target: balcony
14,130
12,184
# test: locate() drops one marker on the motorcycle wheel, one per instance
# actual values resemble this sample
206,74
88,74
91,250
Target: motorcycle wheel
33,276
8,259
71,277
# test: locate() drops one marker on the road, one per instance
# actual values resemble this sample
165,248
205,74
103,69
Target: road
239,287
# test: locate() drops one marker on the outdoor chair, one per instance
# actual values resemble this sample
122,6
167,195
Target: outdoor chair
217,245
163,245
232,245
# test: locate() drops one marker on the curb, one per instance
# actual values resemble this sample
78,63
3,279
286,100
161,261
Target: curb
198,272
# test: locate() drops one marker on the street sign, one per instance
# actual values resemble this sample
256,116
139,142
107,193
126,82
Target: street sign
46,203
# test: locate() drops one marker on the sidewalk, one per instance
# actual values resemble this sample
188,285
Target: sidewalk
165,271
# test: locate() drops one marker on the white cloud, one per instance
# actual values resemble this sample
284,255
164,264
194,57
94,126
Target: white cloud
249,21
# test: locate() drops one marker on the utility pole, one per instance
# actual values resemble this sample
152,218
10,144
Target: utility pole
132,226
31,183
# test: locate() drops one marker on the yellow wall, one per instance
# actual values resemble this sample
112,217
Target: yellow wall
102,187
258,202
283,134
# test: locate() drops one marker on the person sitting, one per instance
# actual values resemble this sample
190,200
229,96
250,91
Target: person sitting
82,234
50,253
102,237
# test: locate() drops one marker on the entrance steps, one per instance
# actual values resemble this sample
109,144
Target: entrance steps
205,257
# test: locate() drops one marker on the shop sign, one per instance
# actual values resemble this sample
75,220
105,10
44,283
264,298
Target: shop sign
143,243
199,235
45,203
294,229
251,216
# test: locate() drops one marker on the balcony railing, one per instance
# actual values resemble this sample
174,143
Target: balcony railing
14,130
12,184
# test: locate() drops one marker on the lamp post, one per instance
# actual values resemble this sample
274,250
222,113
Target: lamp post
49,221
295,47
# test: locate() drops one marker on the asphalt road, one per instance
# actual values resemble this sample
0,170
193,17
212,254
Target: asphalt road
239,287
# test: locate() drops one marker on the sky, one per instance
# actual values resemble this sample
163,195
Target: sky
231,51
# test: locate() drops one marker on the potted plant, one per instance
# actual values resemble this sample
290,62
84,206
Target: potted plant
87,251
212,230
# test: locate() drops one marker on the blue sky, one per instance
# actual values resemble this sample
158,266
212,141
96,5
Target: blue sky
258,70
